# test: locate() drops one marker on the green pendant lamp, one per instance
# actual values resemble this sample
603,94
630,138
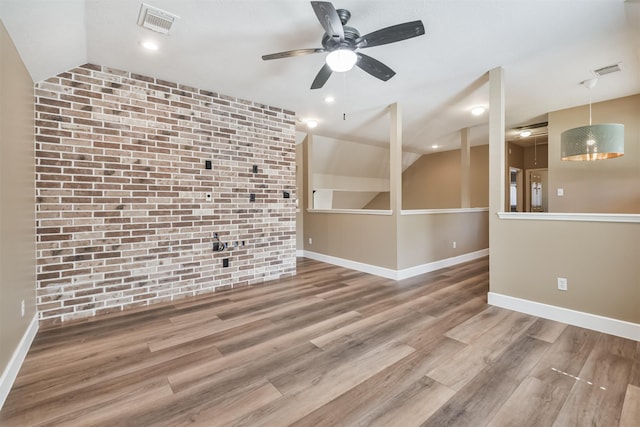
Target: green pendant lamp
593,142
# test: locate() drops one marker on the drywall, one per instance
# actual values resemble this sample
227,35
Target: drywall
17,195
600,260
479,176
124,216
536,157
606,186
426,238
299,197
369,239
432,182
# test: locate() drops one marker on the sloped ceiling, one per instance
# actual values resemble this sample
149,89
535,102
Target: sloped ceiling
545,46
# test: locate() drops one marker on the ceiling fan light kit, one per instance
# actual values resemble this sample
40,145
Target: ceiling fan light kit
343,42
341,60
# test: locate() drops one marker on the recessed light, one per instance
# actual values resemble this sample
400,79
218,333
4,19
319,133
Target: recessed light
477,111
525,133
329,99
312,124
434,146
149,45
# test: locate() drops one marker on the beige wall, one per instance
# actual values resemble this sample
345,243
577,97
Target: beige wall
301,195
600,261
515,156
607,186
432,182
415,240
381,201
369,239
479,177
429,237
17,192
536,157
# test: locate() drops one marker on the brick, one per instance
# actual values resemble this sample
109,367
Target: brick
125,221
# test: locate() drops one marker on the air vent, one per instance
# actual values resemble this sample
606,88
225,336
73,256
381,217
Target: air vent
156,19
533,126
607,70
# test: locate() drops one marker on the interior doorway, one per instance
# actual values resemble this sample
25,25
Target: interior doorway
537,185
515,189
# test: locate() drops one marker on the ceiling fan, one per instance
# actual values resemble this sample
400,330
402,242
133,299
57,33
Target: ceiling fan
342,43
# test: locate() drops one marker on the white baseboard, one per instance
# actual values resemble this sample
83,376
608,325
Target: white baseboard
299,253
443,263
594,322
13,367
353,265
395,274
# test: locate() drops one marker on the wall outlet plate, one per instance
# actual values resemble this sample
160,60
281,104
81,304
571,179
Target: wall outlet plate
255,168
562,284
252,197
207,164
286,194
225,262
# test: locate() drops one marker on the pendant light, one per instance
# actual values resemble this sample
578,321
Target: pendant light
593,142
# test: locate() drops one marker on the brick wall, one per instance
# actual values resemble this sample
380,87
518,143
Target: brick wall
122,215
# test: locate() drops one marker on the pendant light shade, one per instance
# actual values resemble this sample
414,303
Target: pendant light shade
593,142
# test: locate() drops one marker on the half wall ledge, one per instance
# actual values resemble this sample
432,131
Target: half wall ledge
585,217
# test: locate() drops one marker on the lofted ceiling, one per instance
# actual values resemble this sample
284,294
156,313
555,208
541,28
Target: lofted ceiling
547,47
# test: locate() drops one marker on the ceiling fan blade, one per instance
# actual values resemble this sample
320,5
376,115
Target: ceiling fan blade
290,53
374,67
322,77
391,34
328,18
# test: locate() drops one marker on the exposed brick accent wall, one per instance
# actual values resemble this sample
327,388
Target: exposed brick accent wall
122,215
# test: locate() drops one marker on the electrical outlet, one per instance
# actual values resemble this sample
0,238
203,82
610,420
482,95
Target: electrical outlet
560,192
310,241
562,284
22,308
454,244
252,197
225,262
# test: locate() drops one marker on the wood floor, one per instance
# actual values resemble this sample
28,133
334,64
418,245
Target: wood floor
330,347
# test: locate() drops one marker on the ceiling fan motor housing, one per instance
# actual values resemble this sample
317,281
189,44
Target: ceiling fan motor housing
350,37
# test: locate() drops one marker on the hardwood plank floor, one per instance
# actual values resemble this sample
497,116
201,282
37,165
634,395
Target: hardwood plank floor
330,347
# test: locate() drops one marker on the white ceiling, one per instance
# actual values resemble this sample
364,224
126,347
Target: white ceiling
545,46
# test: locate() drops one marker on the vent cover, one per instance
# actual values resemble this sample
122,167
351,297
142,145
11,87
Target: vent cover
156,19
533,126
607,70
